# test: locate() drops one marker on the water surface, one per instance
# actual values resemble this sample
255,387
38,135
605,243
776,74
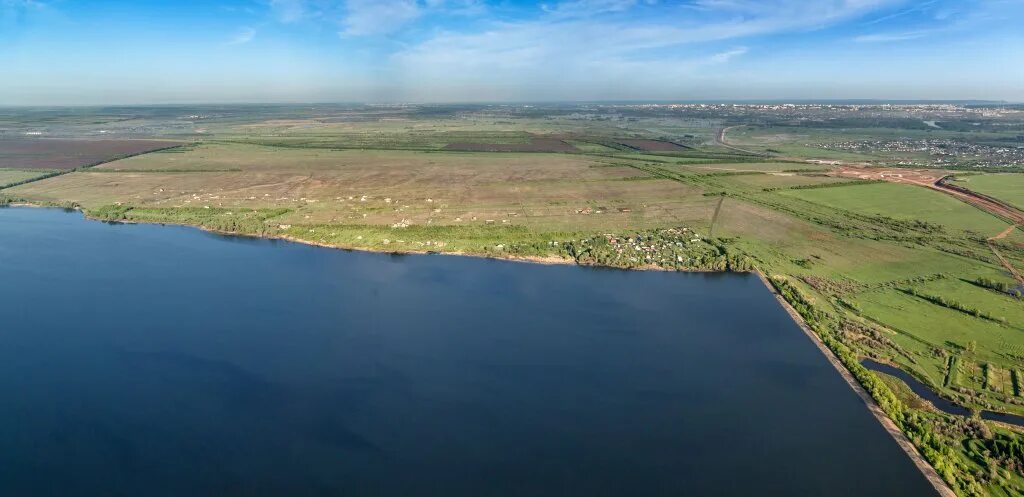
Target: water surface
941,403
164,361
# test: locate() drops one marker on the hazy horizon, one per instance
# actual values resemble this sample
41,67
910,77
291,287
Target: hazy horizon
835,101
476,51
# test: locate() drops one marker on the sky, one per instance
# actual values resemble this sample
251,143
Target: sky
68,52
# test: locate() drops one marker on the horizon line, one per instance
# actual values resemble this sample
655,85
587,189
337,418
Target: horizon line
754,101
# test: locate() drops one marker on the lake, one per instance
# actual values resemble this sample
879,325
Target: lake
166,361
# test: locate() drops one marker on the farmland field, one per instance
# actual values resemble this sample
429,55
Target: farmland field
883,269
653,145
781,180
905,202
535,144
49,153
357,169
11,176
1006,187
544,191
725,166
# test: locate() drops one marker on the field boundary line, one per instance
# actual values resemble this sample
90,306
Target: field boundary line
89,166
714,217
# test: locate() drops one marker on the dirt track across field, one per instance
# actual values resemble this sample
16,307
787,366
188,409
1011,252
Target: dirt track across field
995,206
936,180
1004,233
720,139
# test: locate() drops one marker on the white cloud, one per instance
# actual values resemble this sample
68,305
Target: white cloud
244,35
288,11
368,17
624,49
586,8
556,41
381,17
915,9
888,37
375,17
458,7
723,57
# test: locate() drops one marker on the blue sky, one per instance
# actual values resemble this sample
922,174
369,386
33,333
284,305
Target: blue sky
105,52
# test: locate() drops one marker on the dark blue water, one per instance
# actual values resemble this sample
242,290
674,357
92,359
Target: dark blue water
164,361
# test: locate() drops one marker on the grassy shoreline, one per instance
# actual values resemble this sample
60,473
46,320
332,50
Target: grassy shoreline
876,404
549,260
869,400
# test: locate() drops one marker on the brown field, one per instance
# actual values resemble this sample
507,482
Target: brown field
534,145
652,145
544,191
51,153
921,177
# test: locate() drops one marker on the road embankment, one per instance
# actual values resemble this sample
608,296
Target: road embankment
890,427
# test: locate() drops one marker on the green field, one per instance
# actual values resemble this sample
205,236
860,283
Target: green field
780,181
11,176
885,270
906,202
1006,187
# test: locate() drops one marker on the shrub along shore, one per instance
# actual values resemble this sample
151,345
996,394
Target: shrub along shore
936,437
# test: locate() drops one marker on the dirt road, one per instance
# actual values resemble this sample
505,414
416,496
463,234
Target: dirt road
985,202
720,139
934,179
937,180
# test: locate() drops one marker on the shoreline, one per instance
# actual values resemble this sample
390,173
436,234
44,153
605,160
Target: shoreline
887,424
890,427
291,239
544,260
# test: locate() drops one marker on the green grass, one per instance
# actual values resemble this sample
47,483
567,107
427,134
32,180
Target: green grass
905,202
476,240
1006,187
902,391
12,176
983,299
590,147
780,181
847,249
941,327
241,221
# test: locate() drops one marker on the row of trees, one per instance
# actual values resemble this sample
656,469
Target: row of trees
954,304
998,286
